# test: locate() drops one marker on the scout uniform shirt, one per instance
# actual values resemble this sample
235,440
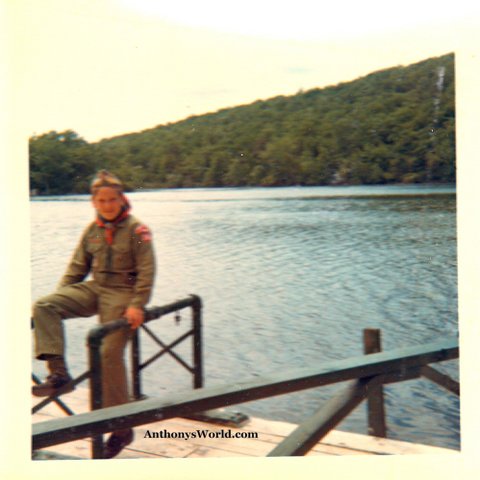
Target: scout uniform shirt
127,262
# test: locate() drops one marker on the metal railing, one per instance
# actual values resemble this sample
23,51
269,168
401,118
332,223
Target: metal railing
365,374
97,334
94,342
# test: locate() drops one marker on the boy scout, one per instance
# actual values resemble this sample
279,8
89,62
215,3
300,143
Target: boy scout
117,250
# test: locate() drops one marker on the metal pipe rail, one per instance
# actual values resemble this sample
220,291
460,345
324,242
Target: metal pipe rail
369,370
94,342
97,334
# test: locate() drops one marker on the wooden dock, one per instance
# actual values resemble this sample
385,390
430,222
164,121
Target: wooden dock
268,434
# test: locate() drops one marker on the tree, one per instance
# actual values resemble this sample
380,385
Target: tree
60,163
395,125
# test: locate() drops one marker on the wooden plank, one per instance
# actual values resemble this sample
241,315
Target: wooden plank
48,455
78,449
350,442
322,449
273,431
182,424
271,427
168,448
135,454
250,446
146,411
314,453
37,406
208,452
380,446
226,448
78,400
441,379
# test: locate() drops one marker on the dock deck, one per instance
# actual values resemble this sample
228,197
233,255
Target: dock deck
217,444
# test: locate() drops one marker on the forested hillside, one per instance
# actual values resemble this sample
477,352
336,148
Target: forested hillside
395,125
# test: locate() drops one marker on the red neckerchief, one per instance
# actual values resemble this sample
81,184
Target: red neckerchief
109,226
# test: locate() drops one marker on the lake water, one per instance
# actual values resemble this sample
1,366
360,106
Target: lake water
289,278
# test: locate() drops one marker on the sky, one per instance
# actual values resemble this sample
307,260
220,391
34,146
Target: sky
108,67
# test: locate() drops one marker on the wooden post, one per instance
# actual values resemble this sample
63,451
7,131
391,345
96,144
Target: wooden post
375,402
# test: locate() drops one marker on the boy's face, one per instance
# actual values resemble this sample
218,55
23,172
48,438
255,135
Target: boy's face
108,202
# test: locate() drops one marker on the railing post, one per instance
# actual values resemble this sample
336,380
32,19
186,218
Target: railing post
197,342
375,401
94,343
95,339
136,379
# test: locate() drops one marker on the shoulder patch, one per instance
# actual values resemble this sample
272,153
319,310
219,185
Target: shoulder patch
144,232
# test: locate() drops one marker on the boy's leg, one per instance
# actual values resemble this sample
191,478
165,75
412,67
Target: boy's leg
113,303
78,300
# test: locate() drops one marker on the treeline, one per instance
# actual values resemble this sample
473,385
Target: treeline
395,125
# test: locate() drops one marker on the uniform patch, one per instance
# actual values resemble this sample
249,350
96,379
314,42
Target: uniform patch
144,232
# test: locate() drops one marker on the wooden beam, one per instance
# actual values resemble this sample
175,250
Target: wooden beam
397,362
441,379
312,430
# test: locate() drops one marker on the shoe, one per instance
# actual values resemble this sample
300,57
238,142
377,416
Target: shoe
53,385
116,443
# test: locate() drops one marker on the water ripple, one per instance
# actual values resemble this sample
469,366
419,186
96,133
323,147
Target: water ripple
289,278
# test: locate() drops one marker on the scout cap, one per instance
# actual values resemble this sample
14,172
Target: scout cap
105,179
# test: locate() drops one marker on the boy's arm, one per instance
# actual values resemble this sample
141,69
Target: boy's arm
145,267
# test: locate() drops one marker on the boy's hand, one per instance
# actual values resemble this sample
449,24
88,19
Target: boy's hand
134,316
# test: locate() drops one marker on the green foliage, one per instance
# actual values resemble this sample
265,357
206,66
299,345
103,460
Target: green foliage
395,125
60,163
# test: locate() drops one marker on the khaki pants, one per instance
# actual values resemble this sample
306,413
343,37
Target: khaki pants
84,300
